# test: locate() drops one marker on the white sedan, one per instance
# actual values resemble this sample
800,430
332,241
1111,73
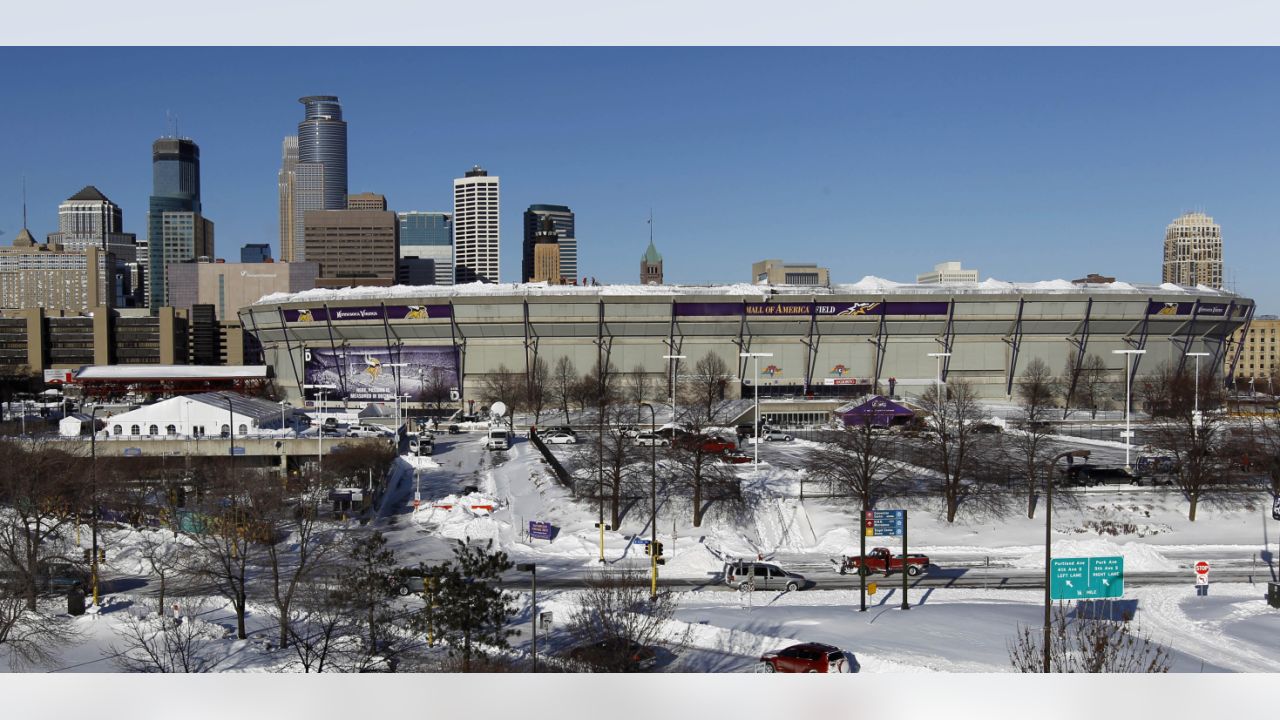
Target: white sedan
560,439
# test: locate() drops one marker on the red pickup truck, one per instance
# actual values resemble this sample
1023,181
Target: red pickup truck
881,561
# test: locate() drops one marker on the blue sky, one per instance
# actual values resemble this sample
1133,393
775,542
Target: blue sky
1026,163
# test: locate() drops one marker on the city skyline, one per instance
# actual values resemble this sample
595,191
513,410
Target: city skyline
1026,163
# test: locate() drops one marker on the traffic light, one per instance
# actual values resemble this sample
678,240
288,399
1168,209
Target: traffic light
653,548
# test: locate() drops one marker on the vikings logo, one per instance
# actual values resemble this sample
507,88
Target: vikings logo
305,316
861,308
373,367
771,371
1170,308
839,370
416,312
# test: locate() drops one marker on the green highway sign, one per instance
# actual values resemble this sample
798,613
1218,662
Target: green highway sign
1086,578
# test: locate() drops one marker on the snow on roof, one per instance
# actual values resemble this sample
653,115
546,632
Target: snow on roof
868,284
170,372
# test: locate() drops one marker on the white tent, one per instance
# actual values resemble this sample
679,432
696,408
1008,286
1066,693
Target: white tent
74,425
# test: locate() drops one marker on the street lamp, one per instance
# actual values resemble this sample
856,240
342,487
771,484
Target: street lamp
939,356
1195,412
1128,382
1048,543
675,364
533,571
755,384
93,452
324,388
653,508
283,404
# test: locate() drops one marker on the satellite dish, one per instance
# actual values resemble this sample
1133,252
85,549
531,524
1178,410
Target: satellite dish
498,409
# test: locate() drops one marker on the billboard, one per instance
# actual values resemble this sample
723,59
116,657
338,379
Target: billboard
377,373
819,309
372,312
1156,307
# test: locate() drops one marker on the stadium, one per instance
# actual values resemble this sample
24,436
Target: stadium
373,344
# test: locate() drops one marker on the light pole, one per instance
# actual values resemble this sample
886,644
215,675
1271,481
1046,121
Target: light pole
755,385
283,405
533,571
675,365
939,356
1128,430
653,504
320,428
1195,411
93,452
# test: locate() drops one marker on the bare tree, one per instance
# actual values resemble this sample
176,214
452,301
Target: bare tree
1198,441
30,637
1032,453
954,446
563,382
858,459
536,388
639,387
614,612
367,584
614,455
164,556
506,386
1092,384
435,391
1088,645
40,492
322,635
700,471
153,643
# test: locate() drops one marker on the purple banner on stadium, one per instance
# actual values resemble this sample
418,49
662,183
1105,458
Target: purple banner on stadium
821,309
1186,308
372,312
379,374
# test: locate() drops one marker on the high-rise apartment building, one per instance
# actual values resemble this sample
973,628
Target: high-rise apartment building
255,253
476,237
366,201
426,236
353,247
562,219
177,231
51,277
1193,251
285,183
320,175
651,266
1258,369
947,272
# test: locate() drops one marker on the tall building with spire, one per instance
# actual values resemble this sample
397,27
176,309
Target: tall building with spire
320,175
651,266
1193,251
285,183
177,230
476,238
562,220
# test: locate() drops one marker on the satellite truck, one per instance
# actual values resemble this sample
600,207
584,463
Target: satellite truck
499,428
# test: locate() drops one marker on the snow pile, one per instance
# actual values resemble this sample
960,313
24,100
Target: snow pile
1138,557
994,284
462,516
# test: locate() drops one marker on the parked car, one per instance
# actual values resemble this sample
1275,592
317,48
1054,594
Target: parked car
455,430
707,443
557,429
647,439
749,575
1155,469
735,457
559,438
1088,475
775,435
615,655
330,423
629,431
805,658
369,431
881,560
407,580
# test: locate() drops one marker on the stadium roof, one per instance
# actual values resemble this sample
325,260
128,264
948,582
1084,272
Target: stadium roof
867,285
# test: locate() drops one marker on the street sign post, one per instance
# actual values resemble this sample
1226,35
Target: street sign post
1202,568
1087,578
539,530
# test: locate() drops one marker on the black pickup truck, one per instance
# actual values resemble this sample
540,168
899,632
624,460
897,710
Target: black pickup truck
1089,475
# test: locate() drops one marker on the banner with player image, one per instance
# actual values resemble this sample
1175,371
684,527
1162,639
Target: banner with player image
377,374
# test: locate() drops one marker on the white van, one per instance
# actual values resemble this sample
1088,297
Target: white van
499,439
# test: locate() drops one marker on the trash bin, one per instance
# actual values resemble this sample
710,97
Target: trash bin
1273,594
75,601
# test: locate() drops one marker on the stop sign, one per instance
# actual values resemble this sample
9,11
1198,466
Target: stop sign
1202,568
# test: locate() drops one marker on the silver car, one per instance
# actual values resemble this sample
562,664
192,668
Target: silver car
647,439
752,575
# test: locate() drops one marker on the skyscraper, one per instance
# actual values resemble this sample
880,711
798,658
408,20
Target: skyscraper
88,219
1193,251
353,247
177,231
320,175
546,253
285,182
562,218
255,253
428,236
476,238
366,201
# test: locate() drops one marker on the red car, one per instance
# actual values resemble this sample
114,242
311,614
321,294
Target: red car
709,444
805,658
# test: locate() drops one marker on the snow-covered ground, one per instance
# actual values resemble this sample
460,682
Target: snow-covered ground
465,493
